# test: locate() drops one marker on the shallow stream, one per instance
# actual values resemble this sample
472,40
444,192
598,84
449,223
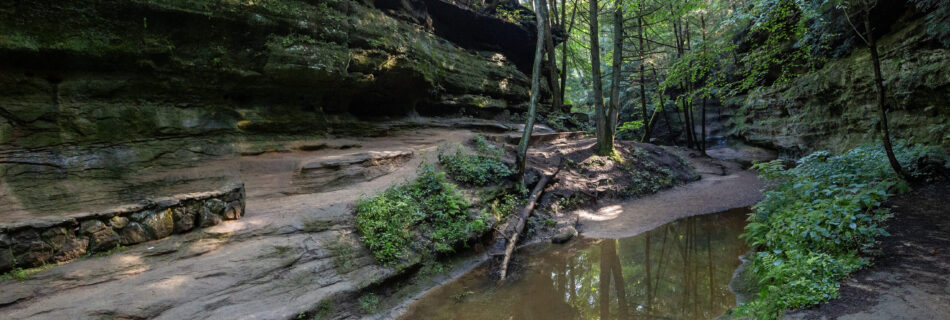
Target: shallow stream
680,270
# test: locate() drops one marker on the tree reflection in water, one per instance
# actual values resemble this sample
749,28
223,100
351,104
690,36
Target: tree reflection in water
678,271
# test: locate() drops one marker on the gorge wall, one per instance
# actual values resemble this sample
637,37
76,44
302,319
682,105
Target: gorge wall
107,70
834,107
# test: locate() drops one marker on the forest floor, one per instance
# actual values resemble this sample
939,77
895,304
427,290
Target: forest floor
909,280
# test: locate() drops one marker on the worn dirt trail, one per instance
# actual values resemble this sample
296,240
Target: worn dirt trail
723,185
276,262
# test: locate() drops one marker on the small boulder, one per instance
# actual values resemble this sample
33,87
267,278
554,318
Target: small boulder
216,206
184,219
118,222
565,235
159,224
29,249
6,260
234,211
101,237
206,218
133,233
66,246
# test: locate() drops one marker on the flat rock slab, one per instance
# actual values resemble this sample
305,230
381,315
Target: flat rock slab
336,172
283,258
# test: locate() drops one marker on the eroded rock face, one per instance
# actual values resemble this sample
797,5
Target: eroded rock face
835,108
88,71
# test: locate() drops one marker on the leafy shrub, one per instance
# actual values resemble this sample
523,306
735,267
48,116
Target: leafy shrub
816,221
481,168
391,222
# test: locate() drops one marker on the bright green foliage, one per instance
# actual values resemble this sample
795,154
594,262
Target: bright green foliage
779,57
816,221
481,168
393,222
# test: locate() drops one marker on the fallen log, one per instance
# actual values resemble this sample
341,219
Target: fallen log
523,219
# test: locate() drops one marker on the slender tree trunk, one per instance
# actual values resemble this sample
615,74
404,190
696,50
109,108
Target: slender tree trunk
617,70
702,147
689,91
552,67
687,125
570,28
881,98
648,122
521,157
604,147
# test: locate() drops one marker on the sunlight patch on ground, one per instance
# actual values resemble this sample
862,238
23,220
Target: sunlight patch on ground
602,214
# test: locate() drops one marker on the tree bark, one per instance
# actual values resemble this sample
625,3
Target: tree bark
604,147
521,156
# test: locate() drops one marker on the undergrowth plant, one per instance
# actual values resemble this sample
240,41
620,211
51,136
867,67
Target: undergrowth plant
818,223
479,168
426,215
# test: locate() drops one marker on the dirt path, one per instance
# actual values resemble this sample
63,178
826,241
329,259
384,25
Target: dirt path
911,280
281,259
723,185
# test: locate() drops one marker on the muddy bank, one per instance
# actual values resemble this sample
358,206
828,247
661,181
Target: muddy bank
723,185
909,278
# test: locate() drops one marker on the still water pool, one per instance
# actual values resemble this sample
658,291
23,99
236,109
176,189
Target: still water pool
680,270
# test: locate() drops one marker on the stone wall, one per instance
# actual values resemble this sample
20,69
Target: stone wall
58,239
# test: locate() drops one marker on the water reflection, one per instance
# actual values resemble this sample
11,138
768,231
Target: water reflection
678,271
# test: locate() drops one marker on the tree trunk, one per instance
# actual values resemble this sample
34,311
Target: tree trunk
702,146
552,67
523,216
881,99
564,48
617,70
522,154
604,147
648,122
